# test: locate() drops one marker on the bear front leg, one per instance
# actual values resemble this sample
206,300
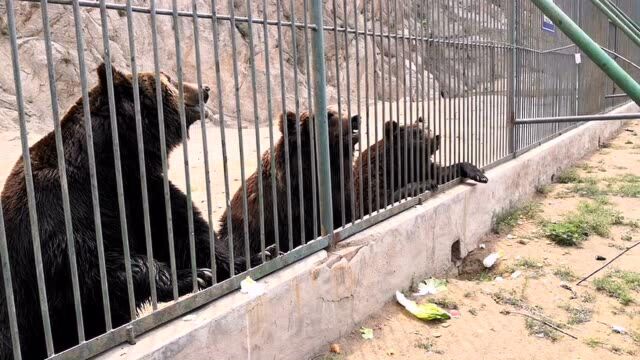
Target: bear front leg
472,172
140,270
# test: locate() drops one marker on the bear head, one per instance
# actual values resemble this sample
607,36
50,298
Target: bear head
339,125
123,85
417,133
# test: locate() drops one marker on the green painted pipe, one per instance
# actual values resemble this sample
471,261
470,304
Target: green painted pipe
632,24
590,48
620,23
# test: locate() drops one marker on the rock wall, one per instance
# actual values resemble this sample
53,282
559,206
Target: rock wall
444,66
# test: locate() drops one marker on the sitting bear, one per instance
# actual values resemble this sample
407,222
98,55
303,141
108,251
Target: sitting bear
378,172
51,224
291,225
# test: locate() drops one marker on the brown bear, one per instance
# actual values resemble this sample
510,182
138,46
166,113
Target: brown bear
385,179
289,228
51,224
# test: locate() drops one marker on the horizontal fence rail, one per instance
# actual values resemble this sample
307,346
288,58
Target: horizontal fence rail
169,149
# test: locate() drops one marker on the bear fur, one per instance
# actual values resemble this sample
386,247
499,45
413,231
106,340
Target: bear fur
301,198
400,165
51,224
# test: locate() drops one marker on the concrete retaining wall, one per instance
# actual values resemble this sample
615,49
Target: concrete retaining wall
326,295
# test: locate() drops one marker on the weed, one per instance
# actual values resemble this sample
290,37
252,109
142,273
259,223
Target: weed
588,298
569,176
541,330
619,285
426,346
590,219
594,343
444,302
631,190
565,274
506,220
473,312
469,294
588,189
543,189
529,263
577,315
504,298
626,237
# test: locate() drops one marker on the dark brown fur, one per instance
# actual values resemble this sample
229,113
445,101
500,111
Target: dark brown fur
298,225
400,163
51,222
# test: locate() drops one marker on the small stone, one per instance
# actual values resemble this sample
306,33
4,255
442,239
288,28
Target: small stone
335,348
446,325
601,258
510,237
436,335
391,352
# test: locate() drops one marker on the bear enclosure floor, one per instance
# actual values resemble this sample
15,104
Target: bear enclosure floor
600,199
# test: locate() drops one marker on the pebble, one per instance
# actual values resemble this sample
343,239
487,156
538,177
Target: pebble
446,325
436,335
335,348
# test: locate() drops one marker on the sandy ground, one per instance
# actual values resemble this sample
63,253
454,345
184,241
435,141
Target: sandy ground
491,325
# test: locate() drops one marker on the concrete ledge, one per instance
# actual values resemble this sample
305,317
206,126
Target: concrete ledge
324,296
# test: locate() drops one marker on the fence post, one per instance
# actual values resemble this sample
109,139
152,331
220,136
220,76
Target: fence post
321,120
512,78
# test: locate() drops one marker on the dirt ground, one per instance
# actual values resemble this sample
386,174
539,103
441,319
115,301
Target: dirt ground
495,304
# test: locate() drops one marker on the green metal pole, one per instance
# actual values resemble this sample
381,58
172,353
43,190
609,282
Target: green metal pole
590,48
321,121
617,21
632,24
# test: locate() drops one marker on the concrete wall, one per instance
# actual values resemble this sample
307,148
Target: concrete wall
326,295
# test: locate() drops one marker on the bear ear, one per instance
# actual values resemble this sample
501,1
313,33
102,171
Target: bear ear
390,128
118,77
290,120
420,120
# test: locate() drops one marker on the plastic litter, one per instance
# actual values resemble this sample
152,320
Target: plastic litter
491,260
618,329
366,333
250,287
431,287
426,311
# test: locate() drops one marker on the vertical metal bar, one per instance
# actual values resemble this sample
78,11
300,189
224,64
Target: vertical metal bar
514,56
274,193
116,157
62,171
31,198
297,109
375,106
427,176
8,290
223,142
256,118
236,84
383,112
141,157
283,97
439,129
341,146
360,199
312,136
177,26
205,144
404,100
349,166
392,188
368,105
321,121
92,163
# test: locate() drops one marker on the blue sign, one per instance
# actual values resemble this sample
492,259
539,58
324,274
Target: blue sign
547,24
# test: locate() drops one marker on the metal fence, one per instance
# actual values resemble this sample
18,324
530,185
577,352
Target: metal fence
101,239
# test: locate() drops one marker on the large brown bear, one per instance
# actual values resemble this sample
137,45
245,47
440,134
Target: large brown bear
291,224
383,164
51,224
